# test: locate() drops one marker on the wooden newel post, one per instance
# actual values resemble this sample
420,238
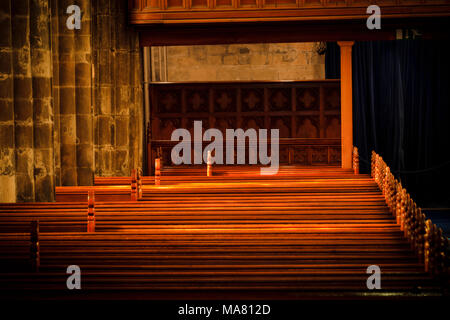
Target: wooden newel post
149,149
35,255
355,160
209,165
139,183
134,185
91,212
157,171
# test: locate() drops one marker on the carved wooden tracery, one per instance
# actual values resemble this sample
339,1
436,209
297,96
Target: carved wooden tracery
308,110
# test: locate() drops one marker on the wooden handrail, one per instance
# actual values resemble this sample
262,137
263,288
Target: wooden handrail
424,236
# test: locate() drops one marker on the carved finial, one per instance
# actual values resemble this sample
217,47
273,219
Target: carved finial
91,211
355,160
134,190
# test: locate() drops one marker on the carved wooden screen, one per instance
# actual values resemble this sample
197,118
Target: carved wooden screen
307,113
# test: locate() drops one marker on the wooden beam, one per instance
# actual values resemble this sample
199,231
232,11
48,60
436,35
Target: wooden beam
276,32
346,104
267,13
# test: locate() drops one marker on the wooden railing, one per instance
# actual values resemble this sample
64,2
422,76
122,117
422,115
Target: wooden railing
425,237
293,151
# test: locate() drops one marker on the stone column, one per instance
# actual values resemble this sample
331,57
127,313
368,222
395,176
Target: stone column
137,117
67,109
118,92
41,70
346,104
104,54
7,154
55,89
23,104
124,104
84,119
129,98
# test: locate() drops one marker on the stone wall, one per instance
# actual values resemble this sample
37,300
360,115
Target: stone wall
70,100
273,61
118,92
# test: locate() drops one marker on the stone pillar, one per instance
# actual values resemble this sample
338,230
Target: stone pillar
23,104
84,119
7,154
346,104
104,55
55,90
124,106
124,98
137,117
67,109
41,70
118,93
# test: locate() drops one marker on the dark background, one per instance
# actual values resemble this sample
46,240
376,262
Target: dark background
401,109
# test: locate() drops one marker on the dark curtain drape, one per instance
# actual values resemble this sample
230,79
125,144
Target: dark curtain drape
332,61
401,109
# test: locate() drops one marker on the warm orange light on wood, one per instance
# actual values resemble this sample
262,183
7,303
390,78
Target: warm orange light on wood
346,104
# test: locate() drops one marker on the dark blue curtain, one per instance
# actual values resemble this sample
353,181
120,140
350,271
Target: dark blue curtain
332,61
401,109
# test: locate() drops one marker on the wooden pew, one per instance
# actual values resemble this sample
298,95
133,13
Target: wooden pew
224,259
312,237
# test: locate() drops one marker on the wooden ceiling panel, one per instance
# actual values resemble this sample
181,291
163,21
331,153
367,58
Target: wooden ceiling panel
148,12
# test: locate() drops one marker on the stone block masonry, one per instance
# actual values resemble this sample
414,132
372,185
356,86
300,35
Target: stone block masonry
231,62
70,100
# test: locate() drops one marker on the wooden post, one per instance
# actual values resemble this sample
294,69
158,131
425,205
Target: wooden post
139,183
149,150
355,160
209,165
35,255
346,104
134,185
157,171
91,211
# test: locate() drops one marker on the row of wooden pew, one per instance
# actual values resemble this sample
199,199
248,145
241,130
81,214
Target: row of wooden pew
306,232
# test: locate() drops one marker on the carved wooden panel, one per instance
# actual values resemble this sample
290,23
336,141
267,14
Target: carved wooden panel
252,99
175,4
247,3
152,4
280,99
169,101
224,100
213,11
303,109
308,99
198,3
223,4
